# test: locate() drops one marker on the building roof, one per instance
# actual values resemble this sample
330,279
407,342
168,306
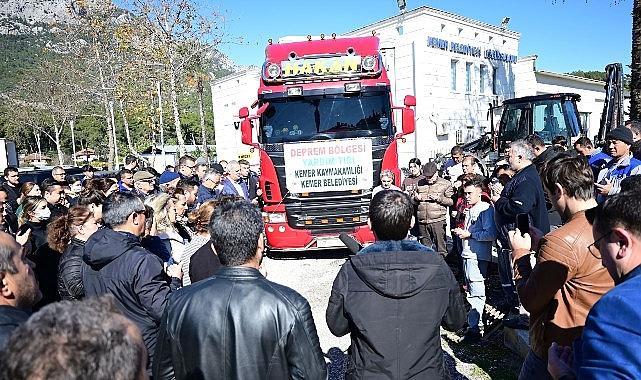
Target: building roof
436,12
36,157
254,70
173,149
570,77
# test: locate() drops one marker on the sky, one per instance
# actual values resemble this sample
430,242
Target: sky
566,35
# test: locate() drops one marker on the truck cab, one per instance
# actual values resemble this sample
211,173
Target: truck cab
325,129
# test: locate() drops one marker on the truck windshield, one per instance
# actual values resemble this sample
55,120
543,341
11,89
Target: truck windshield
327,117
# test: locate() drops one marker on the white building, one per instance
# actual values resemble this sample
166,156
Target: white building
229,94
455,66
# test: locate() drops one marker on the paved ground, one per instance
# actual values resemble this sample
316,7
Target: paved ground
313,278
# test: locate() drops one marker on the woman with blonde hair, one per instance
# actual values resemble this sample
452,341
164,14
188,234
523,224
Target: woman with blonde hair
199,219
165,219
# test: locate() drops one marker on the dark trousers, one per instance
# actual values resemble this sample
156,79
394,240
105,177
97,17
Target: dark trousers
433,234
505,275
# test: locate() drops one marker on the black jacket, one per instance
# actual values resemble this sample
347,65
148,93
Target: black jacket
70,272
57,210
203,264
10,319
13,193
46,262
117,264
238,325
37,237
635,148
393,300
523,194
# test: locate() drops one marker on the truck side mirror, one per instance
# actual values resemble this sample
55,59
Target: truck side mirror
409,101
408,121
246,132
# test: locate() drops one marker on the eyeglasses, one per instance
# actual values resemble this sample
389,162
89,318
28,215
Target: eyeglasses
148,213
57,174
594,248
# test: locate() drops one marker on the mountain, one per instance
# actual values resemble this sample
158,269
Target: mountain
33,16
27,26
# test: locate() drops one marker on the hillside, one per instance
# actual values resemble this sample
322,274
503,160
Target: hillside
28,26
30,40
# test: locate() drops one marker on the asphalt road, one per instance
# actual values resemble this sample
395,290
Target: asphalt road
313,275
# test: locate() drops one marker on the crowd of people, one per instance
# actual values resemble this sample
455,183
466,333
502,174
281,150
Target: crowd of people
159,274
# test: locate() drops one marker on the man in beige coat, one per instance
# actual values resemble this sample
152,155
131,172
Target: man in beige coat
434,195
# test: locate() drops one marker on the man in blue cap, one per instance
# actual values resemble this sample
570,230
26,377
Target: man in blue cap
169,180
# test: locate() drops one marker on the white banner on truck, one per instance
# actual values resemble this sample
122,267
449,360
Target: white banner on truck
336,165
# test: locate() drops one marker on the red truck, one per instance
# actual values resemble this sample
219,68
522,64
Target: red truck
325,131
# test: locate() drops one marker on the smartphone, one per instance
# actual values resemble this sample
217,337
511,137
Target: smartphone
22,229
523,223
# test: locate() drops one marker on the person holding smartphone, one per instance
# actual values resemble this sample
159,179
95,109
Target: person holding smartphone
477,237
568,277
622,165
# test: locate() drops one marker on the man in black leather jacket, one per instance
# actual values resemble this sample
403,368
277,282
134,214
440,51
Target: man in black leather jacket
392,298
237,324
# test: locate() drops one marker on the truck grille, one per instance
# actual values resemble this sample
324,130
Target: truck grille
339,210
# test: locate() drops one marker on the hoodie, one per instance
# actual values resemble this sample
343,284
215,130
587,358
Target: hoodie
117,264
393,303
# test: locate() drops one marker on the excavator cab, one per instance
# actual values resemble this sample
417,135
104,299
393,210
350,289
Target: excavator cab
545,115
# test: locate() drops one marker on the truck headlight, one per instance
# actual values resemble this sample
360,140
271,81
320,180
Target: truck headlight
273,70
369,63
276,217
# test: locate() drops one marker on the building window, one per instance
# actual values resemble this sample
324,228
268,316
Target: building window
483,77
468,77
459,136
495,87
454,65
585,120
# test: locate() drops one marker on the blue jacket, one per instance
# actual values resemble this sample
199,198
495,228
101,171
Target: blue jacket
597,161
523,194
479,221
230,189
611,340
205,194
615,172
